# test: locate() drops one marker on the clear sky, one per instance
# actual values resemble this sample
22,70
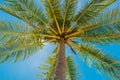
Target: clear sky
28,69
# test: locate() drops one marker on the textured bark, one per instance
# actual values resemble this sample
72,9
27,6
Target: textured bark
60,70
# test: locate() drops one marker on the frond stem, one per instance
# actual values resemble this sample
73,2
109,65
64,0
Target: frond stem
98,37
57,24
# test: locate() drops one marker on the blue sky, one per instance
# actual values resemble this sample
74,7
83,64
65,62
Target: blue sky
28,69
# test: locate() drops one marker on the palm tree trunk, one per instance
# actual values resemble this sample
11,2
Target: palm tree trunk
60,69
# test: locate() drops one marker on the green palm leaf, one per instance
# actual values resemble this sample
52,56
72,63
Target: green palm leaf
72,71
91,9
18,41
52,8
48,73
69,12
49,67
25,10
104,29
102,62
19,53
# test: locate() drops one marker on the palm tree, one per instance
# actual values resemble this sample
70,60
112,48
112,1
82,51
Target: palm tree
60,22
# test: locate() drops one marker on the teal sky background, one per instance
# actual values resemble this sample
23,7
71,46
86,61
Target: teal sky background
27,70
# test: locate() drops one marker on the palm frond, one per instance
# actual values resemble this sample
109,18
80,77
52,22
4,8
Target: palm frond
52,8
17,52
21,30
100,39
91,9
27,11
9,32
48,69
106,19
104,29
69,9
102,62
72,71
17,40
18,48
105,24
